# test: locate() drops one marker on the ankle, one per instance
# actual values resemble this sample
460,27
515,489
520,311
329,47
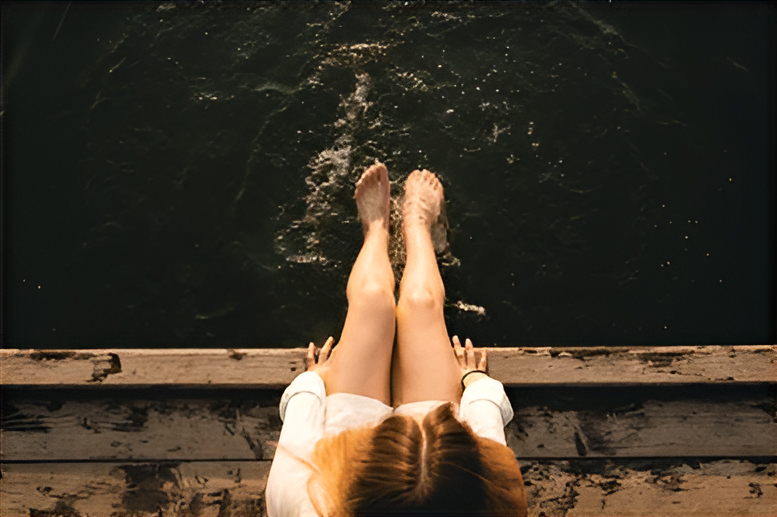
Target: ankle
376,230
416,233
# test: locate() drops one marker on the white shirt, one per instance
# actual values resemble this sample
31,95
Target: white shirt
484,406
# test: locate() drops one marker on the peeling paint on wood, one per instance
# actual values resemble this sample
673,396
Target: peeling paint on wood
650,488
275,368
232,489
171,489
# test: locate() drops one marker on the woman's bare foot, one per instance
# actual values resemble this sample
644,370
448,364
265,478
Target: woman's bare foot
372,198
423,200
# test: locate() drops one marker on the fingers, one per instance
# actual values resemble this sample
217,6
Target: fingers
325,350
466,356
458,350
311,357
483,360
469,350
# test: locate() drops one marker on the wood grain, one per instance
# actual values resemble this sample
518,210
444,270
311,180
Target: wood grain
218,489
651,488
162,429
274,368
586,422
649,429
232,489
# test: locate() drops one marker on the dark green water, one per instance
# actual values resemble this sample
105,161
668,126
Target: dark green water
182,175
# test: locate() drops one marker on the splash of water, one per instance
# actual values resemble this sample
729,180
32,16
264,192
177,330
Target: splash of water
330,172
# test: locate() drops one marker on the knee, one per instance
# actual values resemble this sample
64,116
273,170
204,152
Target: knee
424,298
376,294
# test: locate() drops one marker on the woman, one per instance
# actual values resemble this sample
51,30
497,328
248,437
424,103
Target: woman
377,429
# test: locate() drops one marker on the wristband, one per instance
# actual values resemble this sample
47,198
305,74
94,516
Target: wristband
469,372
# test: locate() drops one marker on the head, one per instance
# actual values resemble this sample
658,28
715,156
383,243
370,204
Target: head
404,467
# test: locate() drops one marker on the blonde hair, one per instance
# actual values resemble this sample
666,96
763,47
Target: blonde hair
402,467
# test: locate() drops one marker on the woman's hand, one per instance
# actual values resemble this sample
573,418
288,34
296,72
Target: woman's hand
318,359
467,361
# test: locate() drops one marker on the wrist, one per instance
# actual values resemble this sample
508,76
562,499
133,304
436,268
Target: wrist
472,376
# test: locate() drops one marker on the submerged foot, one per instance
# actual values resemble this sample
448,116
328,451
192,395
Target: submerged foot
423,200
372,198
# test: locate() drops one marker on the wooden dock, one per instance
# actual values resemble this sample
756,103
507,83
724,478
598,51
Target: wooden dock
639,431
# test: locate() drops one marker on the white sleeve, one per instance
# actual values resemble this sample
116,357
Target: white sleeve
302,411
485,407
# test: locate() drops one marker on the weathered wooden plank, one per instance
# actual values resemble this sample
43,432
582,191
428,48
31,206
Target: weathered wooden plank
726,421
719,488
127,368
649,429
614,366
188,429
203,489
273,368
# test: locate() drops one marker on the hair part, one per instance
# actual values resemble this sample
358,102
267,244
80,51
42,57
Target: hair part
405,468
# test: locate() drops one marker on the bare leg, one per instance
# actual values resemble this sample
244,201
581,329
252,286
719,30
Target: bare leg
424,366
361,363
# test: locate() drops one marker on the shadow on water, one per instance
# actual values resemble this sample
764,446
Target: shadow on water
182,175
